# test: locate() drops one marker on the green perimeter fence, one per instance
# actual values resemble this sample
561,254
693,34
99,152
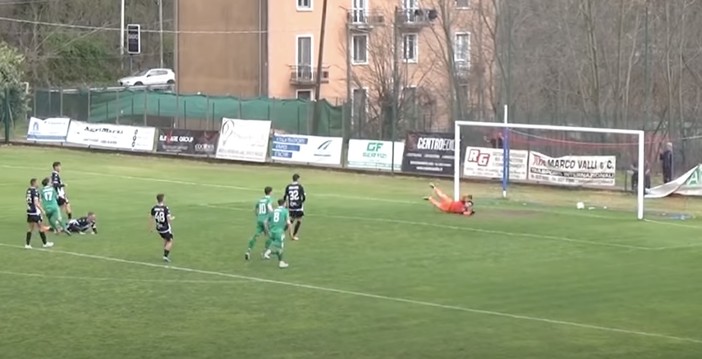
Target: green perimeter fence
166,109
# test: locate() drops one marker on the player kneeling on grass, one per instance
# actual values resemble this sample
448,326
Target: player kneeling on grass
276,225
83,224
464,206
49,197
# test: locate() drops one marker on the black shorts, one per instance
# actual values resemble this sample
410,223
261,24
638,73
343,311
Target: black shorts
297,214
62,201
34,218
167,236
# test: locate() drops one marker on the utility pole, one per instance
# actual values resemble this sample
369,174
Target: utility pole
348,124
121,35
318,74
160,31
395,74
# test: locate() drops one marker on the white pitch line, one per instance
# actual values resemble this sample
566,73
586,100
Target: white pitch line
377,296
127,280
468,229
328,195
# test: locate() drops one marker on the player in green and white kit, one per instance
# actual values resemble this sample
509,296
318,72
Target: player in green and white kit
276,226
49,201
263,209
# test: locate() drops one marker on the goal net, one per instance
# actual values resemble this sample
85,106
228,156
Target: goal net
556,166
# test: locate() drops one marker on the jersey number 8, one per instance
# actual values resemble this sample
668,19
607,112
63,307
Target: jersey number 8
276,216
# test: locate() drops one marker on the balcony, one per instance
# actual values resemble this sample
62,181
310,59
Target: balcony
306,75
362,20
415,19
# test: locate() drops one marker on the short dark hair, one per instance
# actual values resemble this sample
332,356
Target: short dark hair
91,214
45,181
296,177
32,181
159,197
55,164
268,190
281,202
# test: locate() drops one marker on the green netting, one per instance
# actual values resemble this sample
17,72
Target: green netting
128,106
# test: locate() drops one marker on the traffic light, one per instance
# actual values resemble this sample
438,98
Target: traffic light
134,39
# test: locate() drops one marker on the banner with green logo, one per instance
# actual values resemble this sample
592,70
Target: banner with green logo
689,184
375,155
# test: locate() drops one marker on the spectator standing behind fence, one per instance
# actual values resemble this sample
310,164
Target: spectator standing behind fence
666,158
635,176
495,140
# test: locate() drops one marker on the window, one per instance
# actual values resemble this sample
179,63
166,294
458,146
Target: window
359,49
303,57
304,5
409,47
306,95
359,8
463,4
461,49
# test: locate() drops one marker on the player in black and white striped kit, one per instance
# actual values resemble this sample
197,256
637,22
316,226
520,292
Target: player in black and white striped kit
295,199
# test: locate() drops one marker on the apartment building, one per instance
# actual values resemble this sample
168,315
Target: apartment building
423,51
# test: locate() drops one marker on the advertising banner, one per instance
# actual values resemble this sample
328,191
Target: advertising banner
243,140
689,184
192,142
429,153
120,137
572,170
375,155
53,129
307,149
484,162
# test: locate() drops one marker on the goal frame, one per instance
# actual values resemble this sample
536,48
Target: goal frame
505,126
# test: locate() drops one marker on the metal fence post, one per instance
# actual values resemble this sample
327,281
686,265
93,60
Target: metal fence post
60,101
90,105
34,103
119,108
146,107
185,114
207,112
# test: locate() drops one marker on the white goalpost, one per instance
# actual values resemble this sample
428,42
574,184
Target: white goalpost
505,127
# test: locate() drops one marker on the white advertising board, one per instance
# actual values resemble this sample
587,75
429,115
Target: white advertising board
485,162
243,140
572,170
375,155
120,137
53,129
307,149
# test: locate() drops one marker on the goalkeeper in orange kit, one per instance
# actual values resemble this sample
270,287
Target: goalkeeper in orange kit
464,206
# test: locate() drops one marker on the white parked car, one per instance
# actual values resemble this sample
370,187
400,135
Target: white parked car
149,77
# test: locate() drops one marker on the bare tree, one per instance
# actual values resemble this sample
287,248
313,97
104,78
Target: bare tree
399,92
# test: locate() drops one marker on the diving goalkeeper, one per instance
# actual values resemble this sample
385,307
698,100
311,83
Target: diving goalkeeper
447,205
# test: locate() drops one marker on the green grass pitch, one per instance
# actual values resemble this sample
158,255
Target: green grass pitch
377,272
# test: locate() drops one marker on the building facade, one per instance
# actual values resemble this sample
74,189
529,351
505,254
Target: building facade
391,58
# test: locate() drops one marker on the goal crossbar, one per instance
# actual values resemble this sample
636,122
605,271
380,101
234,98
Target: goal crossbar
525,126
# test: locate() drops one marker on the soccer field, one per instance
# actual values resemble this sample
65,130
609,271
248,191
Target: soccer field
377,272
